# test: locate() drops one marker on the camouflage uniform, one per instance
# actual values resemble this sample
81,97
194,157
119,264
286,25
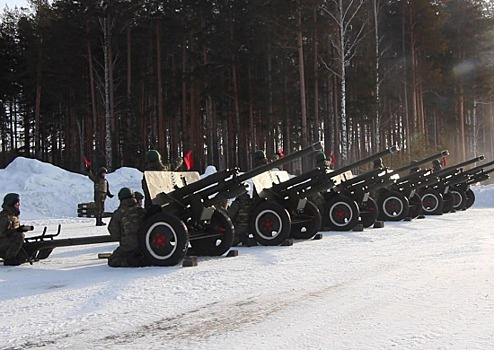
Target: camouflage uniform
101,191
11,239
318,198
124,226
154,163
239,210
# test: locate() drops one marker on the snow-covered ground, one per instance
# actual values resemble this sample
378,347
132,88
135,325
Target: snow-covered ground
424,284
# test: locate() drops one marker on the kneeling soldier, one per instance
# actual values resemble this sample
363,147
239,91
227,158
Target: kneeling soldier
11,231
124,226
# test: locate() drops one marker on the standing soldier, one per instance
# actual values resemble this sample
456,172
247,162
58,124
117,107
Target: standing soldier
101,191
124,227
436,165
154,163
239,210
11,231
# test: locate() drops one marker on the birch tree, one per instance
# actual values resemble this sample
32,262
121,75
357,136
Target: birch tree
350,30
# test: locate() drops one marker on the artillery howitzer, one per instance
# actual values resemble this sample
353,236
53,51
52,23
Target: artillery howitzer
400,200
349,199
191,213
459,185
185,213
436,196
278,208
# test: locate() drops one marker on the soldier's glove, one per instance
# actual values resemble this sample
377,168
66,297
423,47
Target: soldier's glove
24,228
110,195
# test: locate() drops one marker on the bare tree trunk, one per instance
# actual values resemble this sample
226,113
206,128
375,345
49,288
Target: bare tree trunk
161,130
301,72
316,133
108,121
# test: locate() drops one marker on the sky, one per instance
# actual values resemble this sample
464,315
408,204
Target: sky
423,284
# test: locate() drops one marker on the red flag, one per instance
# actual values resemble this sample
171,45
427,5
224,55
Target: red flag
86,161
444,161
332,157
188,160
280,152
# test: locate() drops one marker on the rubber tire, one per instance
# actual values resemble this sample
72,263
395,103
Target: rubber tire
309,219
368,213
415,206
221,224
470,198
432,202
393,206
273,215
336,207
172,230
459,199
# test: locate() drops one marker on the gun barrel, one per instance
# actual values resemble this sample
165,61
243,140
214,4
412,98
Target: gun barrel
390,150
422,161
286,159
450,170
54,243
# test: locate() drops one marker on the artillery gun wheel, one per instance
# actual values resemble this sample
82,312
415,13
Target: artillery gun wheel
368,213
393,206
306,223
459,199
414,206
470,198
164,239
222,228
432,202
341,213
270,223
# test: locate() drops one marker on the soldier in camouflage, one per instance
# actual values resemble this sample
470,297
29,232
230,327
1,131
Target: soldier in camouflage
11,231
154,163
239,210
101,191
436,165
124,227
324,163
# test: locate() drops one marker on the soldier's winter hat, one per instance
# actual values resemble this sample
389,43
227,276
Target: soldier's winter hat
259,154
138,195
102,170
10,199
125,193
436,162
152,156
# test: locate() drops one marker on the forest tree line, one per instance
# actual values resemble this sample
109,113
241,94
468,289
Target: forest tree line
111,79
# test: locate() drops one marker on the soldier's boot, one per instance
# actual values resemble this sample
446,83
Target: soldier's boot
99,221
17,260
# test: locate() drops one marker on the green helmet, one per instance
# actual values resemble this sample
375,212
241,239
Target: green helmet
125,193
259,154
436,162
152,156
102,170
10,199
320,157
138,195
